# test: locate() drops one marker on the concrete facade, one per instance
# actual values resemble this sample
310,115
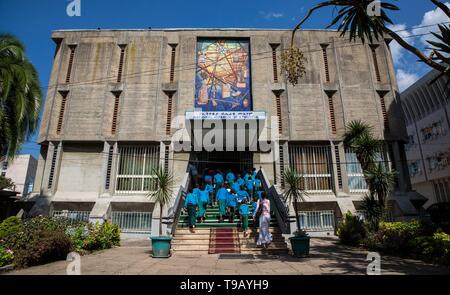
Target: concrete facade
426,109
79,155
22,171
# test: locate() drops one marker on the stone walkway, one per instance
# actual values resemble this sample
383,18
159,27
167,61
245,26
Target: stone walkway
326,257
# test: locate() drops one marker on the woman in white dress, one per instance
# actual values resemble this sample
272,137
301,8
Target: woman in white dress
263,209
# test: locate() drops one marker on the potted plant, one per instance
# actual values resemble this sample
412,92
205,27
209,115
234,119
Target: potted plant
162,197
294,192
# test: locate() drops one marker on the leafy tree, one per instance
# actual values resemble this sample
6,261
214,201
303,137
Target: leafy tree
294,191
20,96
6,183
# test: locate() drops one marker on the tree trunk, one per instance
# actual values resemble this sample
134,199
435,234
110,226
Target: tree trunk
415,51
297,217
160,219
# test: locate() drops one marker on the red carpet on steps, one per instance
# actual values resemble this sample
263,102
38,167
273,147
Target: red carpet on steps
224,240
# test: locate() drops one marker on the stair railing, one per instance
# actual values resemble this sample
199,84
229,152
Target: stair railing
281,210
175,211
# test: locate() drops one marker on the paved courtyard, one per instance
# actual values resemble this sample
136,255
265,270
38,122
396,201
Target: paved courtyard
326,257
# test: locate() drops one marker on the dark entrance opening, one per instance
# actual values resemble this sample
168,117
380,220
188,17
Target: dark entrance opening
238,162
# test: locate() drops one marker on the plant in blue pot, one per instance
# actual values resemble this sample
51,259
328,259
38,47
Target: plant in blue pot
162,196
294,192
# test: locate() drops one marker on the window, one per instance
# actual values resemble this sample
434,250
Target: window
172,62
317,220
414,168
325,62
115,113
383,110
62,109
279,114
121,61
109,167
375,62
134,173
338,165
432,131
314,164
332,113
356,180
169,113
52,167
69,67
274,62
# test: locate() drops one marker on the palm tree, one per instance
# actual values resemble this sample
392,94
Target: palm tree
380,180
20,96
353,19
294,191
163,193
359,137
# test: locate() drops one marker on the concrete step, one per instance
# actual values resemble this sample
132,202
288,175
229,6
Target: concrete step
206,231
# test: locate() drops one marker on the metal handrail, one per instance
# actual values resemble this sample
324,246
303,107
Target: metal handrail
178,205
281,209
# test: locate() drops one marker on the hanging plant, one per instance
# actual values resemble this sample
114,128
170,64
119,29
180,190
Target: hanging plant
293,64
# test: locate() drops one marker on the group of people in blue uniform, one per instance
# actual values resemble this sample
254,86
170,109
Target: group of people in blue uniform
234,194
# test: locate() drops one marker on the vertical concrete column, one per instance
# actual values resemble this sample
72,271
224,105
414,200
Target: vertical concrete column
105,155
57,168
38,179
344,172
334,171
399,160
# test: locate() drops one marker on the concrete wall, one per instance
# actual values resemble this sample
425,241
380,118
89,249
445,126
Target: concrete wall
22,171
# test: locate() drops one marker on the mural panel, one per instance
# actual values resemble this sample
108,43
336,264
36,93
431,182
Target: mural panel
222,81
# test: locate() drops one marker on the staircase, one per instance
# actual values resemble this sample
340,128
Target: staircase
216,237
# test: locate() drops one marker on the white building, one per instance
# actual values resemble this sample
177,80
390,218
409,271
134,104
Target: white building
22,171
426,109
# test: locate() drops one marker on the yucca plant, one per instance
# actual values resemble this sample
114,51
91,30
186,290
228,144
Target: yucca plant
295,191
163,193
380,181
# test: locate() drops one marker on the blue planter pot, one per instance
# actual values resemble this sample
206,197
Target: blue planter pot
161,246
300,246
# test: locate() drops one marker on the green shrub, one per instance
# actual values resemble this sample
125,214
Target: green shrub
97,236
34,247
435,248
6,256
351,231
10,226
398,237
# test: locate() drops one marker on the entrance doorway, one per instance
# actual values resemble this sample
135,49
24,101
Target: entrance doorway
235,161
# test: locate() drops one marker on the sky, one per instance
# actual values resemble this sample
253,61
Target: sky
32,21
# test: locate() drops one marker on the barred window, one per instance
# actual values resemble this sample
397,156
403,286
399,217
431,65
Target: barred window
136,164
314,164
356,180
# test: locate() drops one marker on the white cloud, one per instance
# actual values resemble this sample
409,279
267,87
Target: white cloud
405,79
270,15
431,17
398,51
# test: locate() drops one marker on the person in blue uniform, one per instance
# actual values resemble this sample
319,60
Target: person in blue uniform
243,212
259,194
254,207
231,177
191,204
258,184
247,176
232,204
249,186
239,180
209,187
202,203
242,194
222,199
254,173
218,179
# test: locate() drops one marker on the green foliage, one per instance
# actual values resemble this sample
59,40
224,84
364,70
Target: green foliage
10,226
351,231
396,237
6,256
20,95
92,237
295,189
6,183
373,211
380,182
43,239
164,190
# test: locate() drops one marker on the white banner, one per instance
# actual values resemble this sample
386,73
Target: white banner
225,115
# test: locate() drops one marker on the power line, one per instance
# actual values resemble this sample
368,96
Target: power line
194,65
